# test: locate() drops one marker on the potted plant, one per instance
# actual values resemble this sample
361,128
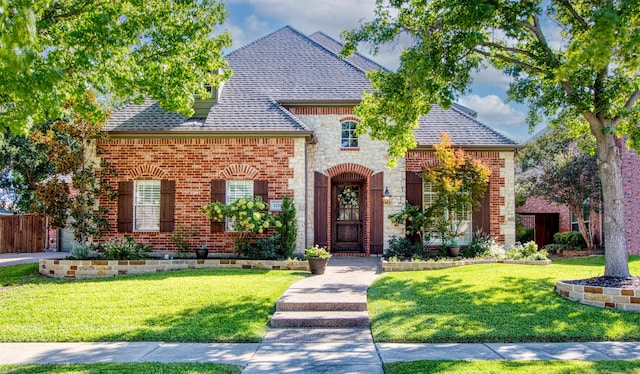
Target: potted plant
317,257
202,251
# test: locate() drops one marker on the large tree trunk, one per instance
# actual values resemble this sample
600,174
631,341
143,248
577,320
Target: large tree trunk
615,238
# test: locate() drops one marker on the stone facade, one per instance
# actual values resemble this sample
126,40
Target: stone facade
328,157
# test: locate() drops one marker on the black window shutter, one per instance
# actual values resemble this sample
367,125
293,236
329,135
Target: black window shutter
167,205
218,194
414,188
480,219
125,206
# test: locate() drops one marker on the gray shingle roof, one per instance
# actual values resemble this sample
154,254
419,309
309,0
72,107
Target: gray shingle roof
286,67
463,129
359,61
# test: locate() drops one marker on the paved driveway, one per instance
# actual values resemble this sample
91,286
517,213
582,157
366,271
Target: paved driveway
7,259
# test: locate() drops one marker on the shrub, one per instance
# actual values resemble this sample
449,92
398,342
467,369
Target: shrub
260,249
288,230
479,246
527,251
403,248
125,249
80,252
569,239
181,237
554,248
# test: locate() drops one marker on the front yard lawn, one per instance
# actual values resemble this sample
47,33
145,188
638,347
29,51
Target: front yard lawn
519,367
114,368
208,305
494,303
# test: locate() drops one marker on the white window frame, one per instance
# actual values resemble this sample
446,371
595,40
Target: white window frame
428,197
237,189
146,206
351,135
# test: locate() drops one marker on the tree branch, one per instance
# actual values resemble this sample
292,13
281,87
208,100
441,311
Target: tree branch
511,60
508,49
575,14
628,105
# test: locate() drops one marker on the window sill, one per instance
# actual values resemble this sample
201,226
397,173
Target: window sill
350,149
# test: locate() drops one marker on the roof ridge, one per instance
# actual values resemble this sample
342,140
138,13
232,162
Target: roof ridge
262,38
498,133
356,52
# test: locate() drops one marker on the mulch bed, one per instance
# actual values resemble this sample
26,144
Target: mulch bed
613,282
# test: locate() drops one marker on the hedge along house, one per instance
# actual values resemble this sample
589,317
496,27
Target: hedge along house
283,124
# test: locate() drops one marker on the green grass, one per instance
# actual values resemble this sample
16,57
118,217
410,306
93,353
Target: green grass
520,367
140,368
16,274
494,303
209,305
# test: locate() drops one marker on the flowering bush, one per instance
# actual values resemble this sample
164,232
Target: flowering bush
527,251
248,214
317,252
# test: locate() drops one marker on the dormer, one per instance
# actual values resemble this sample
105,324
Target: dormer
201,106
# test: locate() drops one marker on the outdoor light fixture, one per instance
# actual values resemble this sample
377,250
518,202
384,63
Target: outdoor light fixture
387,196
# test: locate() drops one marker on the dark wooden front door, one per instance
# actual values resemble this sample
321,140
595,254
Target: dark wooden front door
347,216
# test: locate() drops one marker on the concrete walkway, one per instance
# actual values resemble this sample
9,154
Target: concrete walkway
313,350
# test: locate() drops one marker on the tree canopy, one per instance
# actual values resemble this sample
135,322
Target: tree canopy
572,61
558,170
53,52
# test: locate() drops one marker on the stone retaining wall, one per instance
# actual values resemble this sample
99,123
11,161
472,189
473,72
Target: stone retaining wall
604,297
429,265
76,269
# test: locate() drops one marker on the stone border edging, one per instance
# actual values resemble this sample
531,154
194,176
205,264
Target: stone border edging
603,297
426,265
80,269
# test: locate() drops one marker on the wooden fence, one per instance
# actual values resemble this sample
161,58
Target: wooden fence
22,234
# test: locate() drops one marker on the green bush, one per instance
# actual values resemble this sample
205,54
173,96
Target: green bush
260,249
479,246
569,239
403,248
181,238
80,252
554,248
125,249
527,251
288,230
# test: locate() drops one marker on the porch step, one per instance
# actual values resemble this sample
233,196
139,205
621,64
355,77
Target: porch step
322,300
320,319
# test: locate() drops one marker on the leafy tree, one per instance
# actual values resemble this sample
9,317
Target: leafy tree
69,196
557,170
589,77
458,181
23,164
53,52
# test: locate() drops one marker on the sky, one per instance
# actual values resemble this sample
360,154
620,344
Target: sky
252,19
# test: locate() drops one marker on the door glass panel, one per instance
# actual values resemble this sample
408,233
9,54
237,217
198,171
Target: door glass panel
348,203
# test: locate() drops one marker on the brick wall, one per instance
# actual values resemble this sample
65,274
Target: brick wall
501,189
631,185
537,204
193,163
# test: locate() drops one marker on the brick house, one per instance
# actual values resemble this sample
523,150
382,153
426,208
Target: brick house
551,218
283,124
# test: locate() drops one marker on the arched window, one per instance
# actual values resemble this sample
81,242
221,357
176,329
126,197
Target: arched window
349,139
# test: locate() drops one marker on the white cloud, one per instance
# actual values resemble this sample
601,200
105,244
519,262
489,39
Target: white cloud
493,76
252,29
493,111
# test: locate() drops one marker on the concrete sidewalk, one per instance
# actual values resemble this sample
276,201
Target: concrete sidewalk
333,354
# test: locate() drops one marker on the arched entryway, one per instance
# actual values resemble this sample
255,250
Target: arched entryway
348,207
348,210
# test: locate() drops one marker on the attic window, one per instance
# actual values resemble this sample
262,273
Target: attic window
349,139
